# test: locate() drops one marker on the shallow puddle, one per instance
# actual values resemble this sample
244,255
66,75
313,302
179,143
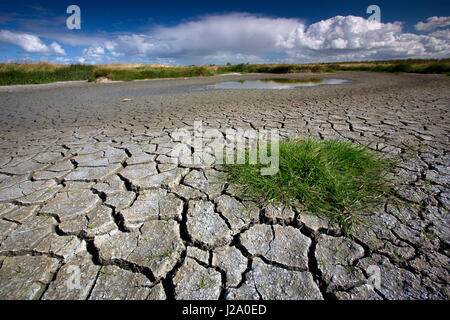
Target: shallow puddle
274,83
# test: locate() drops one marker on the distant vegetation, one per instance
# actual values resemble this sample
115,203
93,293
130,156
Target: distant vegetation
407,66
149,72
270,68
28,73
396,66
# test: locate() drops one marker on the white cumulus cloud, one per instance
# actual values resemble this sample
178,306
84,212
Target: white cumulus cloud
243,37
355,38
29,42
246,37
56,48
216,39
240,32
432,23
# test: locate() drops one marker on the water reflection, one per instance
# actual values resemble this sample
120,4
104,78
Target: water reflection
305,80
278,83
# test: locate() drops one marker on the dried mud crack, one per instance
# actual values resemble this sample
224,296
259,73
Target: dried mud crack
92,205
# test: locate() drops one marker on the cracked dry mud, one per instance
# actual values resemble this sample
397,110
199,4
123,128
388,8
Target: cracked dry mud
88,187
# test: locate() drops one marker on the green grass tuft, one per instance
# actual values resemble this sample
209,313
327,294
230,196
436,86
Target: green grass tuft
332,178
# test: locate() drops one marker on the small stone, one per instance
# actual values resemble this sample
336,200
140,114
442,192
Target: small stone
170,207
148,147
237,192
434,266
369,234
73,227
412,194
256,239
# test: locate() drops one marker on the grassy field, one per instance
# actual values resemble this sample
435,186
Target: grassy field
150,72
28,73
332,178
396,66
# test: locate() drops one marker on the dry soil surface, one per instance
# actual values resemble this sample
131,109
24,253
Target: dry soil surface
92,205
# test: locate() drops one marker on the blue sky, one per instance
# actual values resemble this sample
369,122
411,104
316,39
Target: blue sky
211,32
